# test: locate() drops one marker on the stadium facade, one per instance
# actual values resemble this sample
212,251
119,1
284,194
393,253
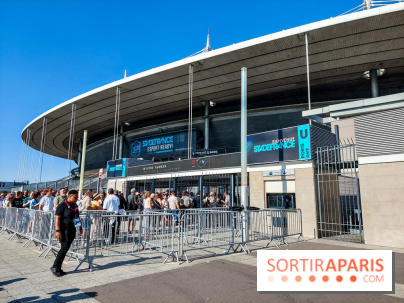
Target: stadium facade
177,126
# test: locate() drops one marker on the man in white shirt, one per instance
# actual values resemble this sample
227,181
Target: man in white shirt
173,201
111,204
226,200
187,200
46,203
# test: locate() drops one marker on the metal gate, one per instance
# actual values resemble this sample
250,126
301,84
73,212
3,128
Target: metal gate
339,203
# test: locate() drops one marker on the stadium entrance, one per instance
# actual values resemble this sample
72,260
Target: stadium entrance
206,184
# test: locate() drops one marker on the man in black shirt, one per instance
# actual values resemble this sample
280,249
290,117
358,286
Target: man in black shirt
18,201
67,219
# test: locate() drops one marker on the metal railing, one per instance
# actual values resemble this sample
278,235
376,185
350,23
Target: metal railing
173,233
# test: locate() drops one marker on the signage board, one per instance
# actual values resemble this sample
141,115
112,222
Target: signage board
205,152
161,145
212,162
278,172
285,144
116,168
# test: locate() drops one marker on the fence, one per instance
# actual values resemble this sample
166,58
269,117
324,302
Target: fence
173,233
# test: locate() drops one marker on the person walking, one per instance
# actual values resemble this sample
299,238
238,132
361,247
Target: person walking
67,219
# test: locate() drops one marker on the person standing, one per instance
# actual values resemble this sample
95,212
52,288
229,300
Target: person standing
18,200
61,198
111,205
67,219
46,203
132,208
226,200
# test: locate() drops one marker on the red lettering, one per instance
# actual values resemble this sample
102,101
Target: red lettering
372,264
304,263
269,263
341,263
319,263
363,264
331,265
378,263
293,263
352,265
286,265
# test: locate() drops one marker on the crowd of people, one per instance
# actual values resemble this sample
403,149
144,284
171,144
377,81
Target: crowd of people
48,199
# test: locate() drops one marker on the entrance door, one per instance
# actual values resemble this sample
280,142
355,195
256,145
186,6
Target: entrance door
339,203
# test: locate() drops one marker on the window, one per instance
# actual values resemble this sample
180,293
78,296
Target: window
281,200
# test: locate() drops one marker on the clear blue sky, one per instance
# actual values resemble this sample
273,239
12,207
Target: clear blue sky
52,51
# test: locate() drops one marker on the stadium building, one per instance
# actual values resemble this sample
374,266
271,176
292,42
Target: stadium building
325,125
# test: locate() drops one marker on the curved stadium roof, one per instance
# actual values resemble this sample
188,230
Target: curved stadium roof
340,49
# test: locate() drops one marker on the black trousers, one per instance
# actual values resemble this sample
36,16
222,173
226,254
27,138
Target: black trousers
106,229
67,239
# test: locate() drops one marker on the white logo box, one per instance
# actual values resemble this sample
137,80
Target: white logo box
325,270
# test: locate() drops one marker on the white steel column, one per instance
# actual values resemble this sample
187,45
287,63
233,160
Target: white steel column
83,162
191,80
308,70
243,134
116,125
71,139
41,152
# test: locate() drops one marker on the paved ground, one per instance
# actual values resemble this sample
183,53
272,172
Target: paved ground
210,277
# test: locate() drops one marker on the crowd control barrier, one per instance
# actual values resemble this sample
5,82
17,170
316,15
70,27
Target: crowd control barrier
171,232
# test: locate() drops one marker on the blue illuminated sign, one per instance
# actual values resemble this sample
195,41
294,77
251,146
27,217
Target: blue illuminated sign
279,145
176,142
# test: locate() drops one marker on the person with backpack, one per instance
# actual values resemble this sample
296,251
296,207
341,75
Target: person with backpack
132,208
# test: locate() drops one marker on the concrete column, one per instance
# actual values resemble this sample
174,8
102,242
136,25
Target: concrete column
374,85
206,117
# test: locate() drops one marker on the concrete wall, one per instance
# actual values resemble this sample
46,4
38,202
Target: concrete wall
346,129
382,193
305,191
306,200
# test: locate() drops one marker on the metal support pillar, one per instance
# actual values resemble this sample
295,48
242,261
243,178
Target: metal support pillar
243,133
175,184
206,117
121,137
232,191
374,85
200,186
83,162
153,185
79,154
44,123
191,83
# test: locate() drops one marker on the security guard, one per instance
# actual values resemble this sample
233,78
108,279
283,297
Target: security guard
67,219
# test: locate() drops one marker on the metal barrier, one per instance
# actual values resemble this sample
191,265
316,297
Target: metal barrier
170,232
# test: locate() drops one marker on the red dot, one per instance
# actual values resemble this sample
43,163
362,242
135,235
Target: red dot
339,278
325,278
353,278
298,278
312,278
